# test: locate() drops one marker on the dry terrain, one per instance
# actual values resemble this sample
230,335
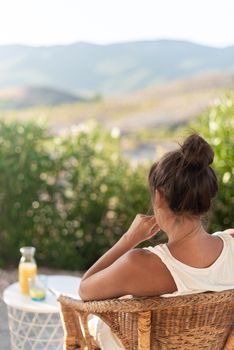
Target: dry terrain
163,105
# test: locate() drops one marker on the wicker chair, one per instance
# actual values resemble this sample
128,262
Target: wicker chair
198,321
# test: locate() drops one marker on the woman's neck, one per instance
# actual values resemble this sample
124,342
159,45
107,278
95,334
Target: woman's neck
184,230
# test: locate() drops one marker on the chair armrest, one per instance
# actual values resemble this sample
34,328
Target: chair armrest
75,325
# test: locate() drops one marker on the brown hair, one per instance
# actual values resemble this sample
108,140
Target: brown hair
185,178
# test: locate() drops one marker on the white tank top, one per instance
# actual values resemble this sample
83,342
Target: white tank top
189,280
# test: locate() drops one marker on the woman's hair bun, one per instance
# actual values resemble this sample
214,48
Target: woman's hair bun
197,153
185,178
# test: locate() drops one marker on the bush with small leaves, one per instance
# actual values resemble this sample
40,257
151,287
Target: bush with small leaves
71,197
217,127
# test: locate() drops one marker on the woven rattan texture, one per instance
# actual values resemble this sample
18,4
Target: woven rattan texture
192,322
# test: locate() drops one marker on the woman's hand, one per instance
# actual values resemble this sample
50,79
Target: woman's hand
142,228
115,264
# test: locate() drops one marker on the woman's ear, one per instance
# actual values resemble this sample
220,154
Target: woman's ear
158,199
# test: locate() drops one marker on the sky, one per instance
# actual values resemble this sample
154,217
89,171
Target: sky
52,22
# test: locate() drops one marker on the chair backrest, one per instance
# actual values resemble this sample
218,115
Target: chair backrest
198,321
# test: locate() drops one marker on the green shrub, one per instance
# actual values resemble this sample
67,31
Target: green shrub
217,127
101,195
71,197
24,160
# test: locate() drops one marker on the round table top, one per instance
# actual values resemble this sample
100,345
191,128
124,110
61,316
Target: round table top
68,285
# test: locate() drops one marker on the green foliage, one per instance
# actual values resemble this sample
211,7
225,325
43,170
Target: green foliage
24,160
217,127
71,197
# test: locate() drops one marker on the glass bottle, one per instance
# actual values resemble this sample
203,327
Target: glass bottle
27,268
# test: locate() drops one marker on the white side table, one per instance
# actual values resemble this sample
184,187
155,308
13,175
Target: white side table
36,325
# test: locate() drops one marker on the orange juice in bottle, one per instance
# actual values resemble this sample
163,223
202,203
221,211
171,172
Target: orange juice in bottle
27,268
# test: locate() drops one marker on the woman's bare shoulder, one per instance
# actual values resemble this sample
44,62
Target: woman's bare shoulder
153,277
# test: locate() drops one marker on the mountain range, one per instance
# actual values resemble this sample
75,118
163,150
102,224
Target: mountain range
114,69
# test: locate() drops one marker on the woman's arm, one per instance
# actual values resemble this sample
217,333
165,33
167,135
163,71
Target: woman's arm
143,227
113,273
120,248
111,282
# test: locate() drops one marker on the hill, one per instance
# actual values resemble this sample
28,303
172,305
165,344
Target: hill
14,98
167,105
109,69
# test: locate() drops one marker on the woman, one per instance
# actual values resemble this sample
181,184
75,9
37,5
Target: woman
182,185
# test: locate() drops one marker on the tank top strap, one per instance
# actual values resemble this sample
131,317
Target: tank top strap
224,234
161,251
